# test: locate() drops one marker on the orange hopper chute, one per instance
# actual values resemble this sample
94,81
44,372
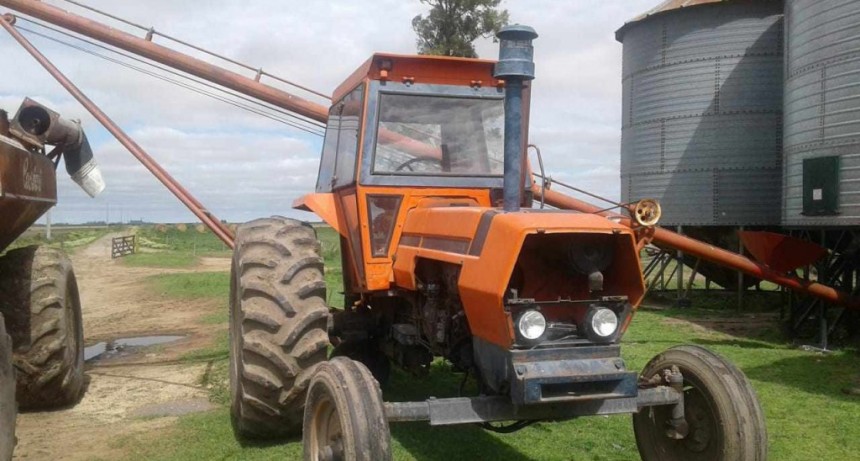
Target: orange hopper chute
779,252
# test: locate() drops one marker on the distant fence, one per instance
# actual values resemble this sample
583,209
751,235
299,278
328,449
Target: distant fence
122,246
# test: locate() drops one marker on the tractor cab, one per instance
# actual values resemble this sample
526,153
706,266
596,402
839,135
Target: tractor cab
407,132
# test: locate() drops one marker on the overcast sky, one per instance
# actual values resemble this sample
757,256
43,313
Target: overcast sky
243,166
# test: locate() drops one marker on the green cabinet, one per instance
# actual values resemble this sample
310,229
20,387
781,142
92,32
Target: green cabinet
821,186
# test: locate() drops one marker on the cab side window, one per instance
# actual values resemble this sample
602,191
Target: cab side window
340,148
329,150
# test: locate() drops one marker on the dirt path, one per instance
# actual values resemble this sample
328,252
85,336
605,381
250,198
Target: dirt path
132,394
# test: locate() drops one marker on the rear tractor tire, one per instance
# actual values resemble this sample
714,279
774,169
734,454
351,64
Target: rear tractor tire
8,408
344,415
725,418
278,325
42,308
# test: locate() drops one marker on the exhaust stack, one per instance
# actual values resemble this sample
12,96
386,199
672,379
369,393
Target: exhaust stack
37,125
516,65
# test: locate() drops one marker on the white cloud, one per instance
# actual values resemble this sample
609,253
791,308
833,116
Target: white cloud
242,165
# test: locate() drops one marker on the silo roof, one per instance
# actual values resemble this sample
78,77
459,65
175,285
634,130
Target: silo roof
666,6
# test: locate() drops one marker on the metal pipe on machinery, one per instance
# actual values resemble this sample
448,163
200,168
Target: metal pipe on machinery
198,68
515,66
168,57
7,22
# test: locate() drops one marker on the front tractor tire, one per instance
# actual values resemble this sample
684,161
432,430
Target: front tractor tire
42,308
344,415
725,418
278,325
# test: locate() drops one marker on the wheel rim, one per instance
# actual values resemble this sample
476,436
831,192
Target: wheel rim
701,420
703,439
326,432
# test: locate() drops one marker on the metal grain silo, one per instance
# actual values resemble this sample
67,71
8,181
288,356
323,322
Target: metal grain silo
822,113
702,111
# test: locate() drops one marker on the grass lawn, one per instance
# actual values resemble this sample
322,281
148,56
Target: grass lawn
808,415
164,260
193,285
801,393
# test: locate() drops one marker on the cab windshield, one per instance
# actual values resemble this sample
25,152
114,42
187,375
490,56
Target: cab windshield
439,136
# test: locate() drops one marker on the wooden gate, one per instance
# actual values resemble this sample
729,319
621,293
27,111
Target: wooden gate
122,246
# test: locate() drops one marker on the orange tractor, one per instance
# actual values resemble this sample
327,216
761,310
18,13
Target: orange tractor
423,177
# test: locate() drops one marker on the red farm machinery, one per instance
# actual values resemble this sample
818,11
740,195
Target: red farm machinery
41,332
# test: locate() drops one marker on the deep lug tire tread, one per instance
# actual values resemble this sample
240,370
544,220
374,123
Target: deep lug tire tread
39,297
278,324
739,413
358,399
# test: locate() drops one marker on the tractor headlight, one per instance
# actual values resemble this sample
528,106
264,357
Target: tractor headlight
604,322
531,325
601,324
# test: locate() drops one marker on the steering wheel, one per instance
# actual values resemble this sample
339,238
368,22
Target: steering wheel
417,160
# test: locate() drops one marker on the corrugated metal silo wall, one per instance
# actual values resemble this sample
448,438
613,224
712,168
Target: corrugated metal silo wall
702,129
822,103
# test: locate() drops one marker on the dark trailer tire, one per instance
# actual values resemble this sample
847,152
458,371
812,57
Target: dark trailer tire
278,325
344,415
8,409
726,422
40,301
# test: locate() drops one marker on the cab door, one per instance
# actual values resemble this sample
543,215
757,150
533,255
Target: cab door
337,175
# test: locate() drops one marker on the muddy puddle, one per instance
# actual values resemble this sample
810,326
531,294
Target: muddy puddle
124,346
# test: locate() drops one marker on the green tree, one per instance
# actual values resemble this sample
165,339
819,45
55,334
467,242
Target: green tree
452,25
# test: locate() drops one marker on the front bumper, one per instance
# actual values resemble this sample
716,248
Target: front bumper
569,375
557,374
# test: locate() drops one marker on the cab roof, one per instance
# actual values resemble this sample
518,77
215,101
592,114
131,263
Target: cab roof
442,70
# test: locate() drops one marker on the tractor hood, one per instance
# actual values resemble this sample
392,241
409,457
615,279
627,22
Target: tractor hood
542,255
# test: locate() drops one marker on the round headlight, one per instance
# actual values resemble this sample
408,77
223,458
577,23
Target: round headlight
604,322
531,325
